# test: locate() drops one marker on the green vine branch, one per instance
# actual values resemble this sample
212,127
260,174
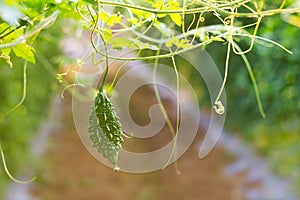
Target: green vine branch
206,8
40,26
108,33
23,93
252,77
9,174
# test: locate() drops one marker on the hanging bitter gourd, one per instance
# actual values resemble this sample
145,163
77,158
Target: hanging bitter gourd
105,128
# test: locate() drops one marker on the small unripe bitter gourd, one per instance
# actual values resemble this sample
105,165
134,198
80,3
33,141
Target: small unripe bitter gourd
105,128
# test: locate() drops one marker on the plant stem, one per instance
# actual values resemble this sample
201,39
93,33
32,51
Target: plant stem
9,174
24,90
252,77
43,24
207,8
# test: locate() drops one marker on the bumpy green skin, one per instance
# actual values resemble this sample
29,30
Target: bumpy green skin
105,128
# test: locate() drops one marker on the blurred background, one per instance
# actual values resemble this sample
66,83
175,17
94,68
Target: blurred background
67,171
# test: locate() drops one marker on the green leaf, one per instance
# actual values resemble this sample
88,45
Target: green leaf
119,43
176,18
183,43
145,45
142,14
105,128
110,20
161,15
103,16
114,19
10,33
5,55
174,5
159,4
24,51
133,20
169,43
106,34
217,39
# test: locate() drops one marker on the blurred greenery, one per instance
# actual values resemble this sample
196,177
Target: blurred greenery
277,136
18,128
277,73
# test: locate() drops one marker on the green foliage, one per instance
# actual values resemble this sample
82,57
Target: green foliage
110,20
279,142
151,24
179,44
18,128
278,78
105,128
21,50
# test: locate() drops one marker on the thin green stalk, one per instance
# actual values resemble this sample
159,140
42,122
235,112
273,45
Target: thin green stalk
254,32
218,104
163,110
175,134
206,7
97,51
165,55
119,70
9,174
9,32
252,77
106,66
264,39
4,30
24,90
183,18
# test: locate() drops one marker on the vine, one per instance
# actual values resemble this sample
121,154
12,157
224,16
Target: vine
166,17
9,174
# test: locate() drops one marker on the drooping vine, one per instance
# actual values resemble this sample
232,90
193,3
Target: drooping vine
129,25
9,174
104,126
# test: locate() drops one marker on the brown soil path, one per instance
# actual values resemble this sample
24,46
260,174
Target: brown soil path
71,173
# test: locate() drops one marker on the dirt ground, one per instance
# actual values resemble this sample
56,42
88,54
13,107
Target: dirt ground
71,173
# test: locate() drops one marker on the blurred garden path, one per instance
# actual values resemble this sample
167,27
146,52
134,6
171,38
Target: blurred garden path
72,173
230,172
